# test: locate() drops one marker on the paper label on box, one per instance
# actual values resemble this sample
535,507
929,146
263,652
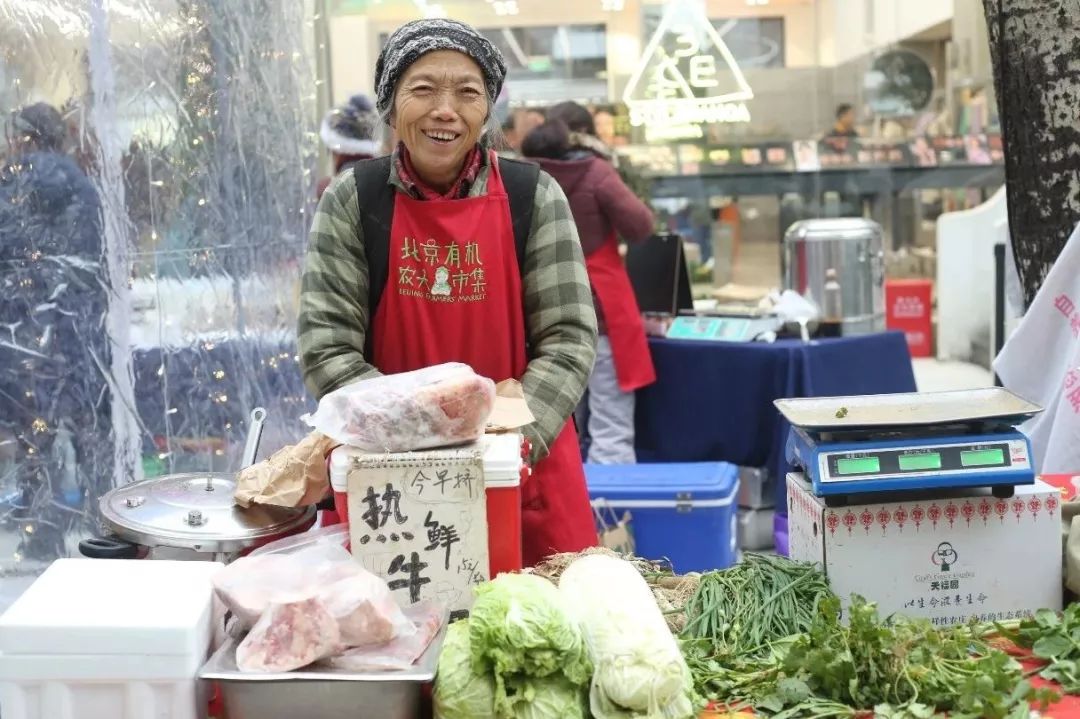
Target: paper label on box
420,522
949,559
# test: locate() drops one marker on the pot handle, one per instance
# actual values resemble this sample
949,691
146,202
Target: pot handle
108,548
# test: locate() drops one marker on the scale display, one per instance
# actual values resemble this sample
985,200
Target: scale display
902,461
916,463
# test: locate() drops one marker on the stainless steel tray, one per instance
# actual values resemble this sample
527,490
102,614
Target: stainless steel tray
906,410
321,692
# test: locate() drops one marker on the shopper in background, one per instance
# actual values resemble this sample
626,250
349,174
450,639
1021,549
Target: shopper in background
604,120
845,123
54,406
604,210
440,207
349,134
517,127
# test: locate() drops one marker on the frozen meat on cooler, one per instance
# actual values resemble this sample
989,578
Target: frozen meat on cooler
438,406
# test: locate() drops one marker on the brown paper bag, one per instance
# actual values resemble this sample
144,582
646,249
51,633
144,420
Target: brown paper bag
511,412
294,476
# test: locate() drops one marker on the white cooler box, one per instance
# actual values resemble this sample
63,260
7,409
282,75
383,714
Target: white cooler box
108,639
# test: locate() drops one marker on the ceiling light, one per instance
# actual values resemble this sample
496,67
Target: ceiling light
613,5
505,7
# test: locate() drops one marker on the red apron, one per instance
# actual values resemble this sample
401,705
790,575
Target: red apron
626,331
453,294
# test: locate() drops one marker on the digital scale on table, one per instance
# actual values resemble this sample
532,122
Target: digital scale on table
725,326
904,442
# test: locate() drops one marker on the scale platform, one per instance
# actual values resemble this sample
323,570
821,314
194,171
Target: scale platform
910,442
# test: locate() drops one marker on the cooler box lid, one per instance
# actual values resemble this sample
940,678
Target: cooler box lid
113,607
502,460
702,484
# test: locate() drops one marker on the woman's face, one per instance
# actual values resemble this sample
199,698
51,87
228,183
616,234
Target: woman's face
439,113
605,126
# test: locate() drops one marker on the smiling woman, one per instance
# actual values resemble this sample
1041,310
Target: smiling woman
418,259
439,113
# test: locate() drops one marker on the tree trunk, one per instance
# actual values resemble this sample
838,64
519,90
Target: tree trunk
1035,46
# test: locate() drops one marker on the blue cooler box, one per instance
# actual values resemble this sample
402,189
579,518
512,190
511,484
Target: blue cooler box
682,512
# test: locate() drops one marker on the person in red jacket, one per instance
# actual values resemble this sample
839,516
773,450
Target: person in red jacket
604,209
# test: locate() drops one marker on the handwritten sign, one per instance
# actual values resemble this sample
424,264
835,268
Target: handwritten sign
419,520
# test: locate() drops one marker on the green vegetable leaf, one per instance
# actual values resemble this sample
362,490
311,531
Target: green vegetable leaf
1053,646
792,691
1047,619
920,711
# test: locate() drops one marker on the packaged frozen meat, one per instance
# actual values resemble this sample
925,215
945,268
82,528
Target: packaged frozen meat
365,611
360,602
401,652
290,634
247,586
438,406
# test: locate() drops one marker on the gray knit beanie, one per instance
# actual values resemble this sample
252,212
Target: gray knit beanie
412,40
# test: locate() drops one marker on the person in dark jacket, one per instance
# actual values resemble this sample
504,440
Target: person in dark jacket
604,209
349,134
54,414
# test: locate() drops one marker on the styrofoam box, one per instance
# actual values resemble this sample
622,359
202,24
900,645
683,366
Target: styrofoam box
108,639
948,556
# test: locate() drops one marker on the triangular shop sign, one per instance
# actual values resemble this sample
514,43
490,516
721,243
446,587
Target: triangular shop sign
687,73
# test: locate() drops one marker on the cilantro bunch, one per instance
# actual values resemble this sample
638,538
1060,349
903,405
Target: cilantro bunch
1056,639
896,669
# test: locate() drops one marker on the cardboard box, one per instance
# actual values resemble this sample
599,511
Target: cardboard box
947,556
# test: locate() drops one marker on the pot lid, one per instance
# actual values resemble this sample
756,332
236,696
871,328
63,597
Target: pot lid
195,511
840,228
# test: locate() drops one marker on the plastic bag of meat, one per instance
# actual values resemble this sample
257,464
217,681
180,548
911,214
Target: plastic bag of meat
291,634
403,651
249,585
365,610
438,406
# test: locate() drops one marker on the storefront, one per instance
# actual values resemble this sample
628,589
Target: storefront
726,110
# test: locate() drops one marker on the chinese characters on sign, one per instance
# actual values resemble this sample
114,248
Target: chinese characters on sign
1072,389
1065,305
441,271
422,523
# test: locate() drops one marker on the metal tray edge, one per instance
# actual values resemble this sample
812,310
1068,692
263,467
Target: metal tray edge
221,668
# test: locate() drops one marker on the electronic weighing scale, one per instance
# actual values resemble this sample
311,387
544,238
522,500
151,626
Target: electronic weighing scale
904,442
724,326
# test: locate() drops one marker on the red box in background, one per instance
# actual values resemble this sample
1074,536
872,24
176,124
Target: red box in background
908,307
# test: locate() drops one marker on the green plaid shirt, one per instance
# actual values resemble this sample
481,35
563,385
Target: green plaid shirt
559,317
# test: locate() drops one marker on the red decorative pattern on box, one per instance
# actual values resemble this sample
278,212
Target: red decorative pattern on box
934,513
951,513
917,516
900,516
968,511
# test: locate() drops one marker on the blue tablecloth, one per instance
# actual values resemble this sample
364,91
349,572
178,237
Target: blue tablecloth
713,401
